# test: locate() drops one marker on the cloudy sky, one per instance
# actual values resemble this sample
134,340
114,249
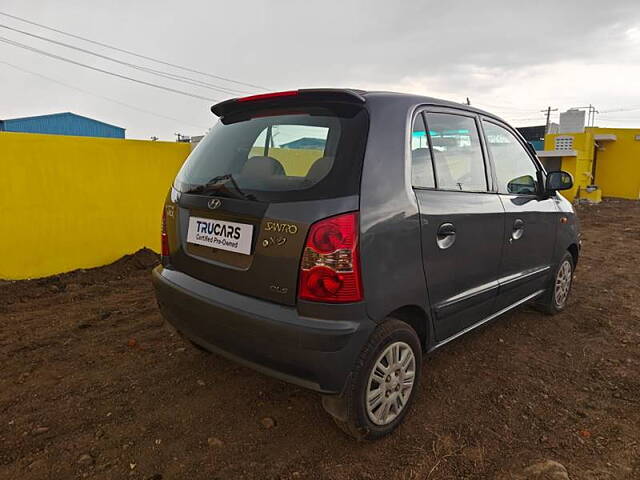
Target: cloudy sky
513,58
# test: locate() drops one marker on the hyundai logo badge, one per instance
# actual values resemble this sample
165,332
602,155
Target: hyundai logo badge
214,203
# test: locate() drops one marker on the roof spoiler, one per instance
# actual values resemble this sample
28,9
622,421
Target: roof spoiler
334,95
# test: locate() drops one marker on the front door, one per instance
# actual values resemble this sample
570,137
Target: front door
531,218
462,221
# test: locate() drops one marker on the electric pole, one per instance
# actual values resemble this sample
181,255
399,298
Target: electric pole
548,112
592,116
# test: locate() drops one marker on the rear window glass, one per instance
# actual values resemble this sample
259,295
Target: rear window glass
307,154
296,147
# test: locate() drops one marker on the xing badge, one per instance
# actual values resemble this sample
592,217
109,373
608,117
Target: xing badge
274,241
278,289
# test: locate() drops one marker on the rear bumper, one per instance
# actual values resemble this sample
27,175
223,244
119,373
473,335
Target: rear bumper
314,353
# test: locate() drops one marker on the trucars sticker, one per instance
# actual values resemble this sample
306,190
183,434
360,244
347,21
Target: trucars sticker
235,237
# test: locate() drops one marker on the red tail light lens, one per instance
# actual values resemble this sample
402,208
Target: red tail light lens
330,268
327,237
164,239
267,96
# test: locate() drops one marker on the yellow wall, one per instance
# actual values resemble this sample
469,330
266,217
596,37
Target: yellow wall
77,202
618,164
578,166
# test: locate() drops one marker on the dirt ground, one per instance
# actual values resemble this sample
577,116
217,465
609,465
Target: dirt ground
92,385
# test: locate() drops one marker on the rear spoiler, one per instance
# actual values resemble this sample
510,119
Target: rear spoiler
334,95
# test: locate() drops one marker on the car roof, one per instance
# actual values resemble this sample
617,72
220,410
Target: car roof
417,100
345,94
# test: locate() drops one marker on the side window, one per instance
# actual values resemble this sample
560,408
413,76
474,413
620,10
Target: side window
421,167
515,170
457,152
295,147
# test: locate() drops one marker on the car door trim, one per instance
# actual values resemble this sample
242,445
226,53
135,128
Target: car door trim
467,295
507,281
526,274
487,319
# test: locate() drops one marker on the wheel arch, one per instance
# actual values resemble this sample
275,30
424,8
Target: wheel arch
574,251
416,317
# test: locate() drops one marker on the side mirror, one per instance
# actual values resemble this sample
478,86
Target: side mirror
559,181
525,185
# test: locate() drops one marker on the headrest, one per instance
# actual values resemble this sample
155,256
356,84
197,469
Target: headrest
320,168
262,167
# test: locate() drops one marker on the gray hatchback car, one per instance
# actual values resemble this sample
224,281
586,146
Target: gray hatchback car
329,237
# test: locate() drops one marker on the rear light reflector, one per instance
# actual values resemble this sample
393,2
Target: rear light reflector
164,239
330,267
267,96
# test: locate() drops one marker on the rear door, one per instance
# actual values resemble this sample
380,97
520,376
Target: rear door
462,220
245,198
531,219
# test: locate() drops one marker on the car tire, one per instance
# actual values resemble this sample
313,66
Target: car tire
390,365
557,295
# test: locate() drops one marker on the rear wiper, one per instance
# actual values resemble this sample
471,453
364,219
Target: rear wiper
211,184
216,184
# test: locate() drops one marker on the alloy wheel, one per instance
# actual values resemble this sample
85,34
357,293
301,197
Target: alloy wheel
563,283
390,383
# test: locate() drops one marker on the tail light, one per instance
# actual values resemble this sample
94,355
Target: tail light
330,267
268,96
164,239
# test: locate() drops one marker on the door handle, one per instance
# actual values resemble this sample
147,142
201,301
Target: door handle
446,235
518,229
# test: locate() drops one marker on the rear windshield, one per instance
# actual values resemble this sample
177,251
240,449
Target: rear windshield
308,153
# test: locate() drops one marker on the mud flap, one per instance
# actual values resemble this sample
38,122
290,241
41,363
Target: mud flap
336,405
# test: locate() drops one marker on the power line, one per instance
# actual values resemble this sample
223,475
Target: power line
608,116
171,76
506,108
524,119
516,117
624,114
107,72
86,92
129,52
620,110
